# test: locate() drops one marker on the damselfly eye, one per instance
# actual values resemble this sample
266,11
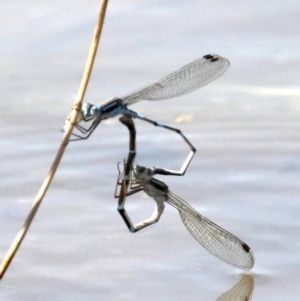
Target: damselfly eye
86,109
93,111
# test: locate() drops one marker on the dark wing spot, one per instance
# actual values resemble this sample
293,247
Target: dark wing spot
208,56
246,247
214,59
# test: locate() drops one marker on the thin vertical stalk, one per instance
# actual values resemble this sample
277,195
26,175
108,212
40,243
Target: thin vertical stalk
69,127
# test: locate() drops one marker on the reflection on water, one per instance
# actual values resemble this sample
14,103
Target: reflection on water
242,291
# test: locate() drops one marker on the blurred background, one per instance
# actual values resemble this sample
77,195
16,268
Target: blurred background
245,126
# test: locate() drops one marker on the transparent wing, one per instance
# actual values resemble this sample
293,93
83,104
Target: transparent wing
185,80
213,238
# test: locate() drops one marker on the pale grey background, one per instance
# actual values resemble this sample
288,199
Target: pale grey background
245,126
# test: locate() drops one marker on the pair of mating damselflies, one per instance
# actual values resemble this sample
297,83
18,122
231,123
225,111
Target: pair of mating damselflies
216,240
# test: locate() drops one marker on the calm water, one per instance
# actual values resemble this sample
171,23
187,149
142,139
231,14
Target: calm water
245,126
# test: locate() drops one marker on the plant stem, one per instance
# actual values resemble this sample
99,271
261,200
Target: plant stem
68,130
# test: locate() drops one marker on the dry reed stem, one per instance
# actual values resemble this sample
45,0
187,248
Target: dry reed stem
69,127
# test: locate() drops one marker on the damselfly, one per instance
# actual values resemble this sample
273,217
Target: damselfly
212,237
215,239
182,81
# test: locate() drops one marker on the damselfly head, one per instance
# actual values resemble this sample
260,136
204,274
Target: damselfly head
142,174
89,110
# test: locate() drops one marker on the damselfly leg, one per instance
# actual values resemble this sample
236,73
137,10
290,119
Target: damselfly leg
84,131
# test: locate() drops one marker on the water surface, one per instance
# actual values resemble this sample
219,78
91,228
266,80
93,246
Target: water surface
245,126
